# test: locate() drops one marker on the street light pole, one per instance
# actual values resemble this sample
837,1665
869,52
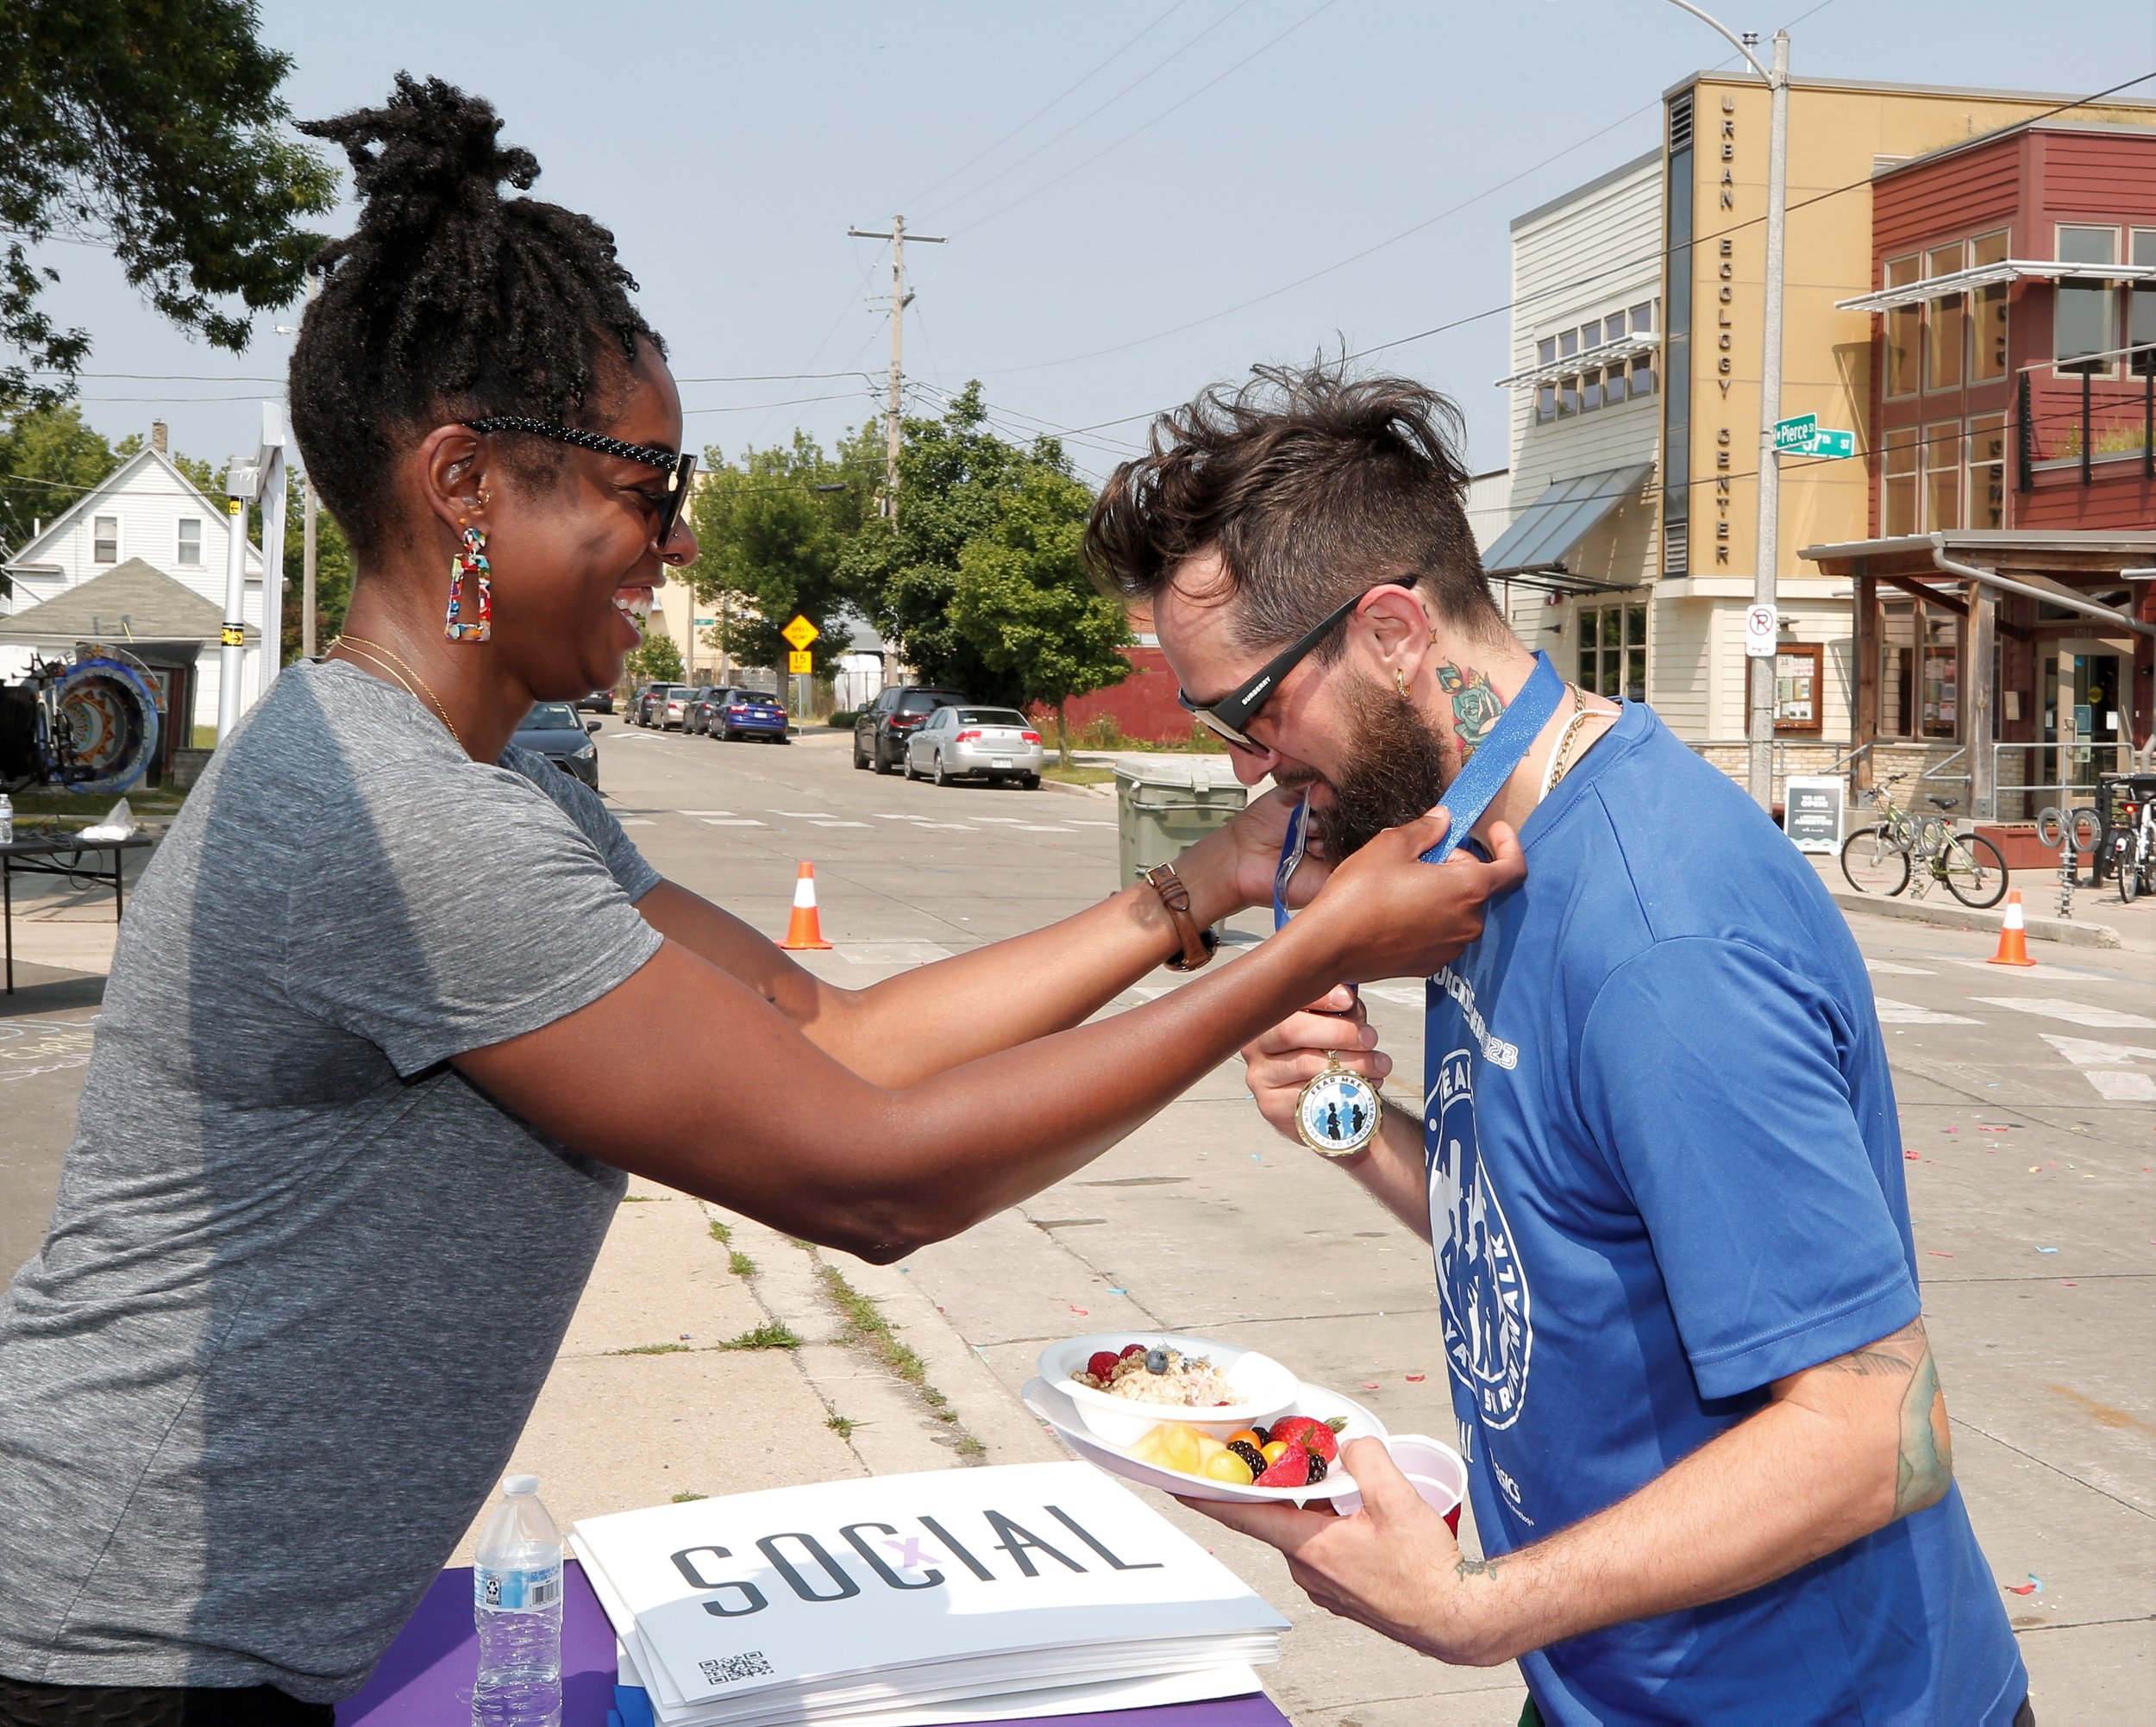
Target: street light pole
1760,704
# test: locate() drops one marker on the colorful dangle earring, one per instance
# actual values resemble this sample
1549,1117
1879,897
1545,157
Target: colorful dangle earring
476,625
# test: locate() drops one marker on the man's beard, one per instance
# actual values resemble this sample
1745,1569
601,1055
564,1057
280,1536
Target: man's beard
1398,769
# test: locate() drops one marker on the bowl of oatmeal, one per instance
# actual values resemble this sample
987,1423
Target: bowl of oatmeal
1163,1377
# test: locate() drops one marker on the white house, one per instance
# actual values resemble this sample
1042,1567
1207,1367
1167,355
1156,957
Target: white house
139,563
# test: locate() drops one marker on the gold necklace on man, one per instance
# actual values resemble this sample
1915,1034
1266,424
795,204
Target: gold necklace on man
416,686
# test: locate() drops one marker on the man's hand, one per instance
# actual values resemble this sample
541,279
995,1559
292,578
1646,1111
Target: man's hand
1394,1566
1280,1063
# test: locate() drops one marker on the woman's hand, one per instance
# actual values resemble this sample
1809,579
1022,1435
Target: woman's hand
1280,1063
1385,913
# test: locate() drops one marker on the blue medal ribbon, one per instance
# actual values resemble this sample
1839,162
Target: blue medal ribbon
1472,791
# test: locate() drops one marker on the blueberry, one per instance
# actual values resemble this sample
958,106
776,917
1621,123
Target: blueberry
1156,1360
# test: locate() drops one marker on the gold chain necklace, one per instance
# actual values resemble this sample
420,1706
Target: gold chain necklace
360,646
1580,715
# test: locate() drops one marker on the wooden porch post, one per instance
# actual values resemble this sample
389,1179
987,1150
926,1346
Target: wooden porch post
1864,648
1982,634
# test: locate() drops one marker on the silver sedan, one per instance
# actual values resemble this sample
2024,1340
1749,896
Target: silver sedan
976,743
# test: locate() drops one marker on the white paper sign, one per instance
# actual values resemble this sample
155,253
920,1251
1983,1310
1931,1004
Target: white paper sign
733,1595
1763,624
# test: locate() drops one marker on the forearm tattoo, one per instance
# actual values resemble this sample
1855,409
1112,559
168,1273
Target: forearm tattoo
1477,1567
1475,705
1924,1456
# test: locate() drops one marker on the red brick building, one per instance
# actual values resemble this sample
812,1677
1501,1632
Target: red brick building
2005,629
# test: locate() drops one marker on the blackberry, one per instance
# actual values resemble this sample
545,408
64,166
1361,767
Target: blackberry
1316,1469
1250,1454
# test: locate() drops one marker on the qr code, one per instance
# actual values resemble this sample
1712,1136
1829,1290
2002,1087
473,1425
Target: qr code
728,1668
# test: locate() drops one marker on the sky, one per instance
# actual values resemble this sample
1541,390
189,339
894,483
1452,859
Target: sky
1138,199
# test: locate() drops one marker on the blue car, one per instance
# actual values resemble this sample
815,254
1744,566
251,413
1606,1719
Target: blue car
729,714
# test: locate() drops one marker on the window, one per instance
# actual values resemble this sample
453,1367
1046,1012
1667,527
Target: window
1920,659
1799,688
1902,326
1568,344
1614,384
1546,404
2140,317
1642,375
1945,323
105,540
1590,390
1898,487
1568,397
190,550
1546,351
1987,321
1987,471
1613,651
1942,476
1591,334
1643,317
2085,321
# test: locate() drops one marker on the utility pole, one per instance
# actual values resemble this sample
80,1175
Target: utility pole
900,300
1759,728
307,531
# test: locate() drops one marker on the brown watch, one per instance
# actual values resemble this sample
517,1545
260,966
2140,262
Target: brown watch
1199,944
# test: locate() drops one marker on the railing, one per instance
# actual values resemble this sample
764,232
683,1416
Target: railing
2115,417
2084,761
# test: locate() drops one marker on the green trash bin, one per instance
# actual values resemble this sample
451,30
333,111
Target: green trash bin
1165,804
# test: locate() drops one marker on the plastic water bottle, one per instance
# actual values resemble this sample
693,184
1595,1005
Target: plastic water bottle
516,1606
7,820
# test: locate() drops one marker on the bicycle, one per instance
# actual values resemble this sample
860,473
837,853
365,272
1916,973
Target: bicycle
1885,857
2133,847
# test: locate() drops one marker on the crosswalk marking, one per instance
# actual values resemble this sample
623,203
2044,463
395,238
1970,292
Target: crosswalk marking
825,822
2104,1067
1893,1012
1398,993
733,822
1088,822
1896,969
637,822
2057,1007
892,953
2042,970
1042,828
1001,821
700,813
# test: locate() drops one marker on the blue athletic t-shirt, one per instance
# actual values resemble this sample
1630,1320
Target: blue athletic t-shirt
1665,1171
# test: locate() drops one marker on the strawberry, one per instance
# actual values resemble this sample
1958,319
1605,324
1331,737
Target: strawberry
1101,1363
1319,1438
1292,1470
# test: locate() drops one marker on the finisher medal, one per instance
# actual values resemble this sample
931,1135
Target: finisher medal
1338,1113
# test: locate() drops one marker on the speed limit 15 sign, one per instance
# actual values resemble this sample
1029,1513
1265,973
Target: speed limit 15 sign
1763,625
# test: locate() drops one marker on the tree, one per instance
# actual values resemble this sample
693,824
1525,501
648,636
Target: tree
149,127
333,570
48,458
658,661
953,478
1023,599
772,530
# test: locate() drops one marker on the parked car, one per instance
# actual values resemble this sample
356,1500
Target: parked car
881,731
746,713
553,729
976,743
598,702
699,698
639,713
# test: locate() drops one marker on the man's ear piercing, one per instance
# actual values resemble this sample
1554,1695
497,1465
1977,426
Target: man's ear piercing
1400,683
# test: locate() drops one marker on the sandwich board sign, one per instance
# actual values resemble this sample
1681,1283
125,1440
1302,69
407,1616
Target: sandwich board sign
1811,813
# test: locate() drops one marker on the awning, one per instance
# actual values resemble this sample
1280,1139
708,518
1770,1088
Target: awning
1987,275
1543,534
1609,353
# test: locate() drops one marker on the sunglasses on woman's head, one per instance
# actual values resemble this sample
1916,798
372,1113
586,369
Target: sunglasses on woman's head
1230,717
680,468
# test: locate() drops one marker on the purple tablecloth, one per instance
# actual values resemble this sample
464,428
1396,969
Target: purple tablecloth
425,1679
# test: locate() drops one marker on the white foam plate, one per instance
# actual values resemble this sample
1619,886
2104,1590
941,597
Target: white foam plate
1266,1389
1060,1413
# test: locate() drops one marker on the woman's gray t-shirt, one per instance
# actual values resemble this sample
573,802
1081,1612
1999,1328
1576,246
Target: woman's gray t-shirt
303,1282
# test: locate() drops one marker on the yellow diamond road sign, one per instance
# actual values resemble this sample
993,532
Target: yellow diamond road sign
800,633
800,660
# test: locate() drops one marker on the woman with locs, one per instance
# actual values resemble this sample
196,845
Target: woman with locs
394,1010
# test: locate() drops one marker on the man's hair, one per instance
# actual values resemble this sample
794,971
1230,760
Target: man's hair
448,302
1312,487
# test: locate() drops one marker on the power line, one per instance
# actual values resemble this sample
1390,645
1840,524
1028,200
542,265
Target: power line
1159,67
1324,5
1069,92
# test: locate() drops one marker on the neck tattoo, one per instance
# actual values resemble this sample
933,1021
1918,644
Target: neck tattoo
1476,705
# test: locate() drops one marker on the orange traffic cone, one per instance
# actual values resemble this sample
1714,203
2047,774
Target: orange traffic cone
2013,943
804,930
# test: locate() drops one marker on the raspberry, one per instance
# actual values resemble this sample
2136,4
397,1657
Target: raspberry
1102,1363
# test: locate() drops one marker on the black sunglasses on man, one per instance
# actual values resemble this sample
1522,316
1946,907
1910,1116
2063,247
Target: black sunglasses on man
680,468
1231,716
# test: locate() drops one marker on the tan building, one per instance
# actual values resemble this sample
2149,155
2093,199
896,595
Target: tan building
1635,398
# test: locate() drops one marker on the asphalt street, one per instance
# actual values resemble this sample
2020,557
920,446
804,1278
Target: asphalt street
2026,1107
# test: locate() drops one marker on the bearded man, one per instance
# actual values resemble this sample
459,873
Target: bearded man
1657,1156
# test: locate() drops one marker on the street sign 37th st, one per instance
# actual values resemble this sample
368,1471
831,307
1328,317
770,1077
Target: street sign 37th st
1802,435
